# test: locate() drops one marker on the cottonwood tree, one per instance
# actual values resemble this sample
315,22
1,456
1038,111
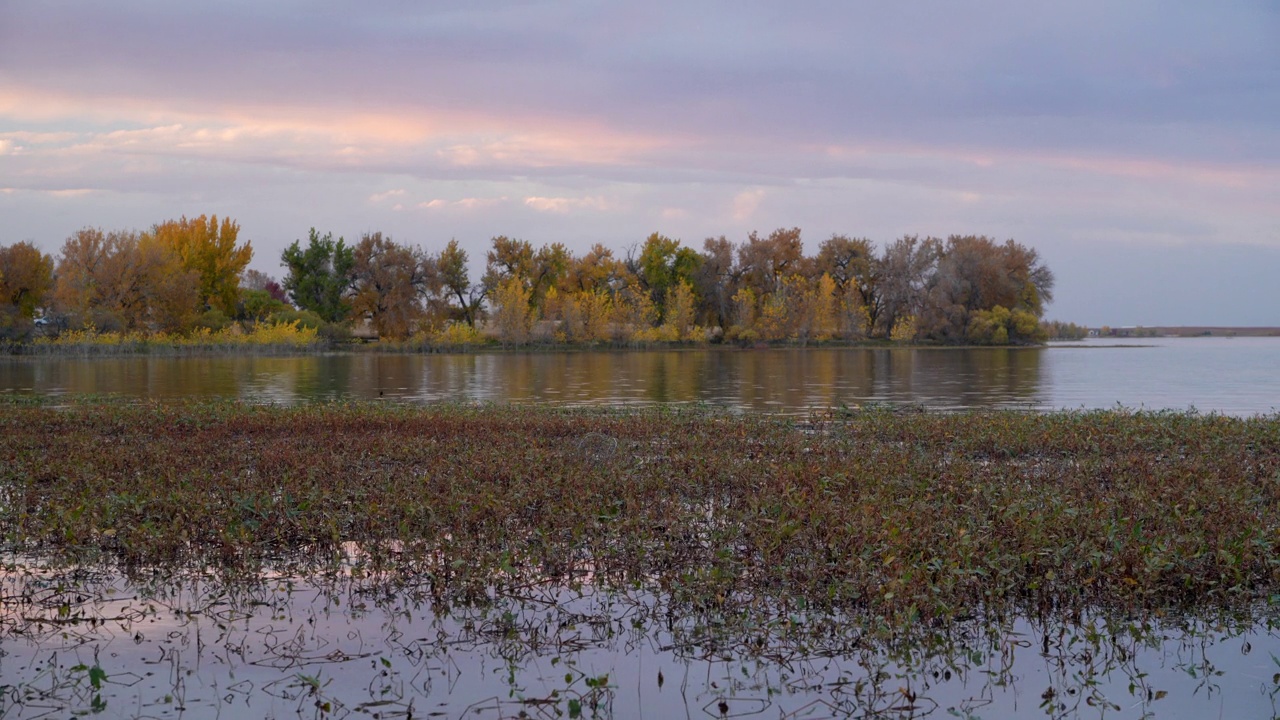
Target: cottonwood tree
598,271
125,281
811,304
455,282
977,275
26,277
508,258
764,262
715,281
390,283
905,268
853,265
550,264
512,318
663,264
678,311
538,270
208,248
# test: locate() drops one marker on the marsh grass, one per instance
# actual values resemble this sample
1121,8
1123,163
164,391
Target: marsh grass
262,338
905,516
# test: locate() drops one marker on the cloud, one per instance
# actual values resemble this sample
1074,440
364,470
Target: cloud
379,197
1076,123
469,203
476,203
746,203
563,205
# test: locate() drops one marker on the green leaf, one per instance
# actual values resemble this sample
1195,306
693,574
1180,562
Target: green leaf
96,676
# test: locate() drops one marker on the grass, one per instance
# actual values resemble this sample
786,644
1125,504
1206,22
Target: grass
903,516
283,337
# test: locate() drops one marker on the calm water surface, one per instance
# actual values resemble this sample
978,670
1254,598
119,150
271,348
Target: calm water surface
291,649
295,650
1229,375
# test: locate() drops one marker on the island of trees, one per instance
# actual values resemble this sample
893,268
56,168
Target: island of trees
190,275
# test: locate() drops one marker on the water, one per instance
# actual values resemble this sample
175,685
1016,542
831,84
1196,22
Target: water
1228,375
287,648
292,649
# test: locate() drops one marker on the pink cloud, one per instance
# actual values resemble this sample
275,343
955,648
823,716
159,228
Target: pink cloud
562,205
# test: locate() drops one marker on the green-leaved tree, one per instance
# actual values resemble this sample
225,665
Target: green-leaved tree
320,275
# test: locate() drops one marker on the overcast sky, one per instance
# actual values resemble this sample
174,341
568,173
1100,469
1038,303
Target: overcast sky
1136,145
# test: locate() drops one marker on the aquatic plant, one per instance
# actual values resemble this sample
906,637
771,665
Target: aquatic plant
910,516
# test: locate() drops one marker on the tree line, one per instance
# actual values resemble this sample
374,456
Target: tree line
190,273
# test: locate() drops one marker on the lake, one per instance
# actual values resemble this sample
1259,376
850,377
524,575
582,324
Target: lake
195,648
1213,374
88,641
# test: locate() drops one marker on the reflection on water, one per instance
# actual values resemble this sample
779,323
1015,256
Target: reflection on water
791,380
1212,374
97,644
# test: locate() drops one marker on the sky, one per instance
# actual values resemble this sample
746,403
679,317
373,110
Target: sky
1134,145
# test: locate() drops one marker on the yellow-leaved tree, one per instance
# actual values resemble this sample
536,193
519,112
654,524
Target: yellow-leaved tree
26,277
208,247
678,311
511,316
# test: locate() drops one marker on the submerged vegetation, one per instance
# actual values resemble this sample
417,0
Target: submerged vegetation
338,560
902,515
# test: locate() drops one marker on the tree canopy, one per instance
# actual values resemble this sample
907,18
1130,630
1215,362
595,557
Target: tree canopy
965,289
320,275
208,248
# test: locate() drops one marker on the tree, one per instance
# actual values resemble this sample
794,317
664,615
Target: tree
258,305
208,248
852,264
745,315
80,273
538,271
678,311
715,281
169,294
125,281
852,319
256,280
512,317
390,282
26,277
976,275
597,271
320,276
663,264
764,262
905,269
812,304
452,265
633,312
508,258
550,265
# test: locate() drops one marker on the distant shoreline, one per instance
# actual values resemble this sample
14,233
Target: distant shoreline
1187,331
